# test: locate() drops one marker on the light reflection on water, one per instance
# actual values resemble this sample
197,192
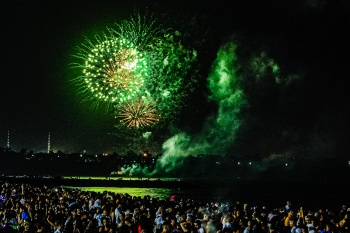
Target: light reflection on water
162,193
204,195
255,193
272,195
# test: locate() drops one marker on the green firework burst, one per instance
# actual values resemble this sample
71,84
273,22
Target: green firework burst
113,69
137,59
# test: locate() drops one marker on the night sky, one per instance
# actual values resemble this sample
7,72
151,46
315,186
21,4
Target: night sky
307,113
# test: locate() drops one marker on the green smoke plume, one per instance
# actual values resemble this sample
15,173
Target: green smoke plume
233,82
220,129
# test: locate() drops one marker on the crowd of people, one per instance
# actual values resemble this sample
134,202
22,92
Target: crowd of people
27,208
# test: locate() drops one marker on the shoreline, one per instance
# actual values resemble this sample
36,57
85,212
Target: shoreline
87,182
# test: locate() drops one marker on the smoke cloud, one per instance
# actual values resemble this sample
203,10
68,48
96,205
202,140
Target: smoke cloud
219,130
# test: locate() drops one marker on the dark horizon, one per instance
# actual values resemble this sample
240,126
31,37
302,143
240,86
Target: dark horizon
58,165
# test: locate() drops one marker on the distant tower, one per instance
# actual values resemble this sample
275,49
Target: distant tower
48,144
8,139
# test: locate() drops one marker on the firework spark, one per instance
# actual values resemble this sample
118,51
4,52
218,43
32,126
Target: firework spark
113,71
137,59
120,71
138,114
